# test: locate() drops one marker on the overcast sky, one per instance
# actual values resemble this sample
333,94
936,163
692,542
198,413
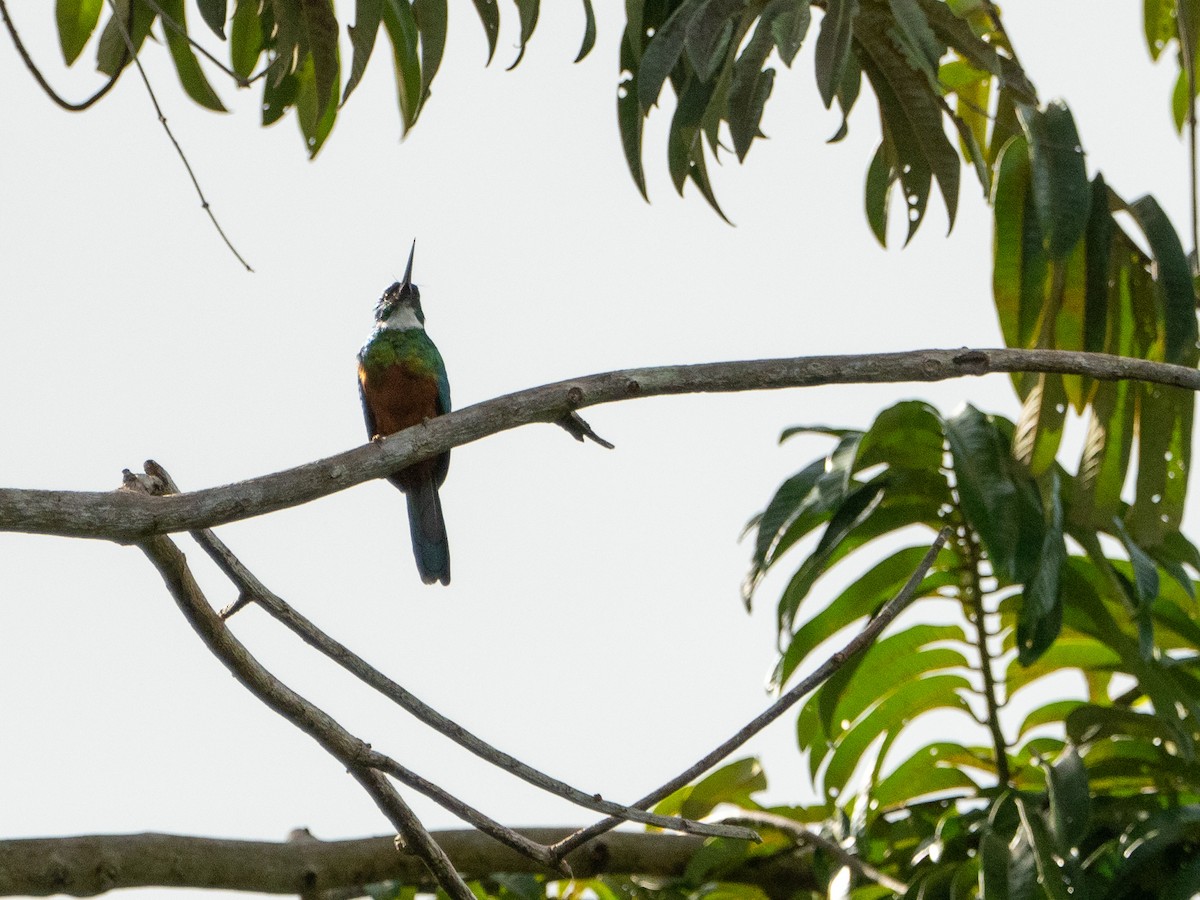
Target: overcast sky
593,627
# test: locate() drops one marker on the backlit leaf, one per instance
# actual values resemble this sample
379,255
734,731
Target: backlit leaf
1061,192
77,19
214,13
833,46
191,76
367,17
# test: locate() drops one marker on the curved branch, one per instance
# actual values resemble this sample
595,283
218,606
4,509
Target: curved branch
129,517
45,85
92,864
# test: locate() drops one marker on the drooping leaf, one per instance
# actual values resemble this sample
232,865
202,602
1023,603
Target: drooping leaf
999,500
316,118
489,17
1164,452
246,37
880,179
663,52
1059,183
749,89
707,35
214,13
1043,417
629,116
1070,799
367,17
77,19
833,46
112,51
431,19
527,12
917,40
402,30
320,35
187,66
789,25
589,31
1174,281
1041,608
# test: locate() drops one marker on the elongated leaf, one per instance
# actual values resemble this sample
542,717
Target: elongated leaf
663,52
707,37
246,37
1164,453
1159,23
527,12
629,116
1010,191
368,15
833,46
1174,281
1070,799
1061,192
1043,417
912,119
999,500
1145,580
880,179
749,89
402,29
924,774
316,118
431,16
920,45
320,35
589,30
789,25
112,52
732,783
77,19
1058,874
1041,607
214,13
489,16
191,76
1106,455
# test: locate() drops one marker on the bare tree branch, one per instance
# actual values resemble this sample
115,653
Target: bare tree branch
342,745
129,517
857,644
89,865
252,590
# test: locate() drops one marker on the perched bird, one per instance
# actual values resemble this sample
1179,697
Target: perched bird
402,382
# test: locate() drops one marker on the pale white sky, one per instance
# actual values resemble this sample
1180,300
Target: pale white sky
593,627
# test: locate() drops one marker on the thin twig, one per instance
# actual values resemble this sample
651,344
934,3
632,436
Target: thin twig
346,748
863,639
253,590
41,79
204,204
129,517
802,835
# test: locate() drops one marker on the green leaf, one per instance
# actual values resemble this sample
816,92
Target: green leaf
994,859
589,30
999,500
527,12
1174,281
1043,417
923,774
629,116
833,46
1164,453
864,597
489,16
1009,205
1070,799
431,19
789,27
1145,580
880,178
191,76
1058,874
1185,884
320,30
1106,454
214,13
77,19
1068,652
402,30
278,97
663,52
708,33
733,783
367,17
1061,192
911,115
246,37
1159,22
1041,606
921,46
112,52
316,118
749,89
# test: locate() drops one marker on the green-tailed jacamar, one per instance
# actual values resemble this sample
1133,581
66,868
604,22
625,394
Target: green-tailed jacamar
402,381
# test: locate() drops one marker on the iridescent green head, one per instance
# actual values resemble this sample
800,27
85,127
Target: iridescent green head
400,305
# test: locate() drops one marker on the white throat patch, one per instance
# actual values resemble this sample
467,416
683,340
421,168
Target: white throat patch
403,318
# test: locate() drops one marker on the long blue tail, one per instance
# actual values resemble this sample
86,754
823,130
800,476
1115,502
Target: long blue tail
428,528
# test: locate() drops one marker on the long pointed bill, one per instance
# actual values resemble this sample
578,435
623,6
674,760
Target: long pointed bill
407,280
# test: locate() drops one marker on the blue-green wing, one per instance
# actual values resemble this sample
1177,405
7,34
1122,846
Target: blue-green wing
443,462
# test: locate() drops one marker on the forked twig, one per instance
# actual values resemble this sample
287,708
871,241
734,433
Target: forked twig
861,641
204,204
251,589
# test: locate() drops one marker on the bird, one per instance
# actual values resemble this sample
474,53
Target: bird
402,382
